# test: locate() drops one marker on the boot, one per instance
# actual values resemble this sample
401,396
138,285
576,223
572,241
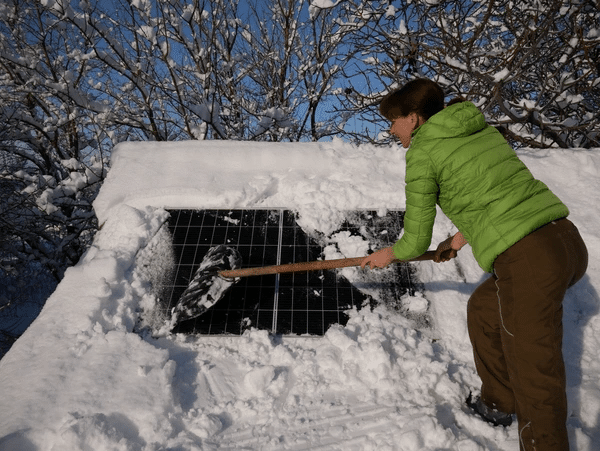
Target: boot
490,415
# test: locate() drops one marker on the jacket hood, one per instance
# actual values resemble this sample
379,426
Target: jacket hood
458,120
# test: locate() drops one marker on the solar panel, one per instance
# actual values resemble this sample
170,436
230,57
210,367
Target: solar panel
297,303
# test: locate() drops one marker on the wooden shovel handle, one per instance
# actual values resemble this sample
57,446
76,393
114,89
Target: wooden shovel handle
308,266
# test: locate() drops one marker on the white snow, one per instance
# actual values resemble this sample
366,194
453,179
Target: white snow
324,4
81,378
502,75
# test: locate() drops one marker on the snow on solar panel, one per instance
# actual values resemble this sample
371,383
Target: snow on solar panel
297,303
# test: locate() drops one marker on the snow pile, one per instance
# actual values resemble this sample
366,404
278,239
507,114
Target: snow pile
320,180
82,377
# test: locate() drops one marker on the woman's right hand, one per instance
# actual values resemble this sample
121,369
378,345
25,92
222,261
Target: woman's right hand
379,259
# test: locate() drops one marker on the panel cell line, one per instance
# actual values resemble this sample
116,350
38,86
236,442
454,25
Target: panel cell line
298,303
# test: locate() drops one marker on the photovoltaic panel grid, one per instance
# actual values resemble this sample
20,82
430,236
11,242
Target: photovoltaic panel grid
296,303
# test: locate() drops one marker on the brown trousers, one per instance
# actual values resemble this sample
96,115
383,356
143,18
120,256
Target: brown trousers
515,326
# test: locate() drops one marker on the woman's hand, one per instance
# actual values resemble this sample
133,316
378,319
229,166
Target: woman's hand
379,259
444,251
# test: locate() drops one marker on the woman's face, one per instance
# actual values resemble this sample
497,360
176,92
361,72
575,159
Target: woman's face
403,127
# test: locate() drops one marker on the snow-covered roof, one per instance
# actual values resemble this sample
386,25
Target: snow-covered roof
304,177
82,378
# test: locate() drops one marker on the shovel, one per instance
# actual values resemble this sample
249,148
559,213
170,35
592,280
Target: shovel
308,266
220,269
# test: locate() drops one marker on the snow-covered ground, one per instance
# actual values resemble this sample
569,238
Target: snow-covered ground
82,378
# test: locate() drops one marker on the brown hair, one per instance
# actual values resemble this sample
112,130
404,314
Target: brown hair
456,100
421,96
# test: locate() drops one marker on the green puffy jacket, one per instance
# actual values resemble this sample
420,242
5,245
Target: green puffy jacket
467,167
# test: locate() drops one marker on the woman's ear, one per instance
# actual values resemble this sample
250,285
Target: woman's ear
415,120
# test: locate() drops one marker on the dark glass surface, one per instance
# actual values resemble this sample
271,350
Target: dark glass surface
299,303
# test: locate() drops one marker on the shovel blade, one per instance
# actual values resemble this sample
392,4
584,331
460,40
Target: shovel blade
206,287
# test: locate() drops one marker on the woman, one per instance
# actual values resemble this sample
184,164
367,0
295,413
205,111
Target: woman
518,231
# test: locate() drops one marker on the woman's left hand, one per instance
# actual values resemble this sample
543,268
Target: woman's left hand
444,251
379,259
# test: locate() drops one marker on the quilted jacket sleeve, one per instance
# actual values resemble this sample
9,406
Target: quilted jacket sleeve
421,197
